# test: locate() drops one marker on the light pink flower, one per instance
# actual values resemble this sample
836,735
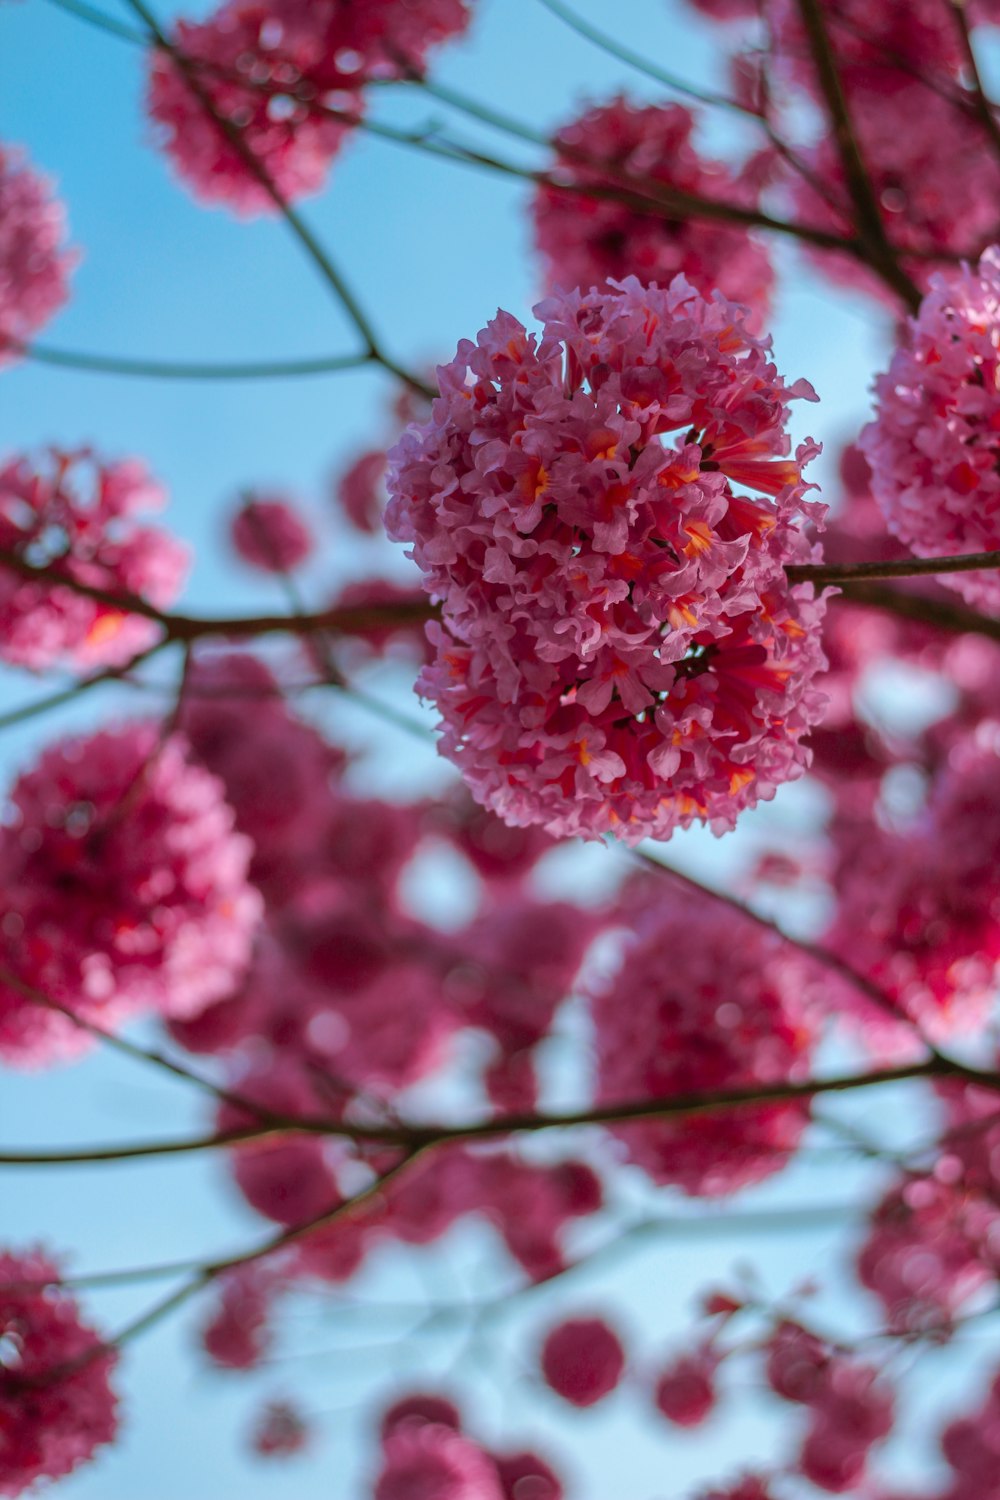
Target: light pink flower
49,1422
620,650
124,889
587,242
935,442
422,1461
78,517
287,75
34,263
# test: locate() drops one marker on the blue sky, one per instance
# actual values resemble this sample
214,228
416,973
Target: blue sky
431,250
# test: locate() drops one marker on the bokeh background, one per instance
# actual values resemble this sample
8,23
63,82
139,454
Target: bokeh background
431,249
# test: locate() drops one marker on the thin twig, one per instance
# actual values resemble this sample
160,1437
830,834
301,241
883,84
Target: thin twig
868,219
188,369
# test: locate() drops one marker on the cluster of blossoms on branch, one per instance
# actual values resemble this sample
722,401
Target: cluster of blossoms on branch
619,649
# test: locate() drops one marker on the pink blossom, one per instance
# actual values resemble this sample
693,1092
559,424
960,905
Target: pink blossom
268,533
76,516
124,889
583,1360
420,1408
685,1390
423,1461
917,907
34,265
850,1413
528,1204
752,1487
704,1000
266,69
727,10
286,74
970,1446
525,1476
796,1362
359,491
620,650
277,770
934,444
587,242
238,1334
880,45
49,1422
279,1431
931,1247
934,173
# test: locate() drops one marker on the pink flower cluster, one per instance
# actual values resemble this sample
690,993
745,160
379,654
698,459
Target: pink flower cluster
588,241
934,445
34,265
269,533
427,1456
932,1247
56,1402
125,889
285,77
77,517
704,1000
620,650
970,1446
850,1409
917,908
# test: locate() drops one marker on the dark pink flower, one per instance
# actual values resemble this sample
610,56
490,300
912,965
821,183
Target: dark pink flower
268,533
279,1431
420,1408
124,889
587,242
851,1412
76,516
360,491
34,264
685,1390
525,1476
583,1360
935,442
704,1000
238,1334
620,649
796,1361
49,1422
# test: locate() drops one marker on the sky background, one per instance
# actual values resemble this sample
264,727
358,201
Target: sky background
431,250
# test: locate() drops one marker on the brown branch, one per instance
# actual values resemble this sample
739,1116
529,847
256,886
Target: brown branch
940,614
868,219
320,257
903,567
